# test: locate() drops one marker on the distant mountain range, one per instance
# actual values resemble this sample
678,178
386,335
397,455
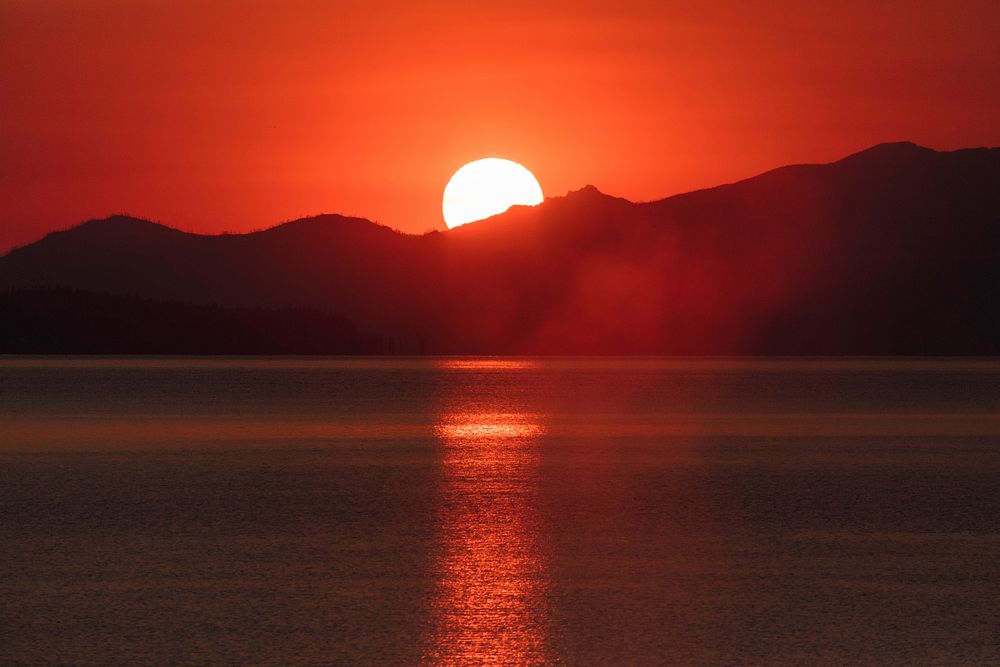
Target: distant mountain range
889,251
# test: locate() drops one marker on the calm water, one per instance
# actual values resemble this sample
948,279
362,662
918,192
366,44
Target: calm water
499,511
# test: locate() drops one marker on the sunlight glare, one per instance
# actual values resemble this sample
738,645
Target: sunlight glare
488,187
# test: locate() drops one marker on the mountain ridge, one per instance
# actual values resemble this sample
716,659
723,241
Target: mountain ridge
588,191
873,253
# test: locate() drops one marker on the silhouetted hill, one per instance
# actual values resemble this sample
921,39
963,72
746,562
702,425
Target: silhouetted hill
63,321
887,251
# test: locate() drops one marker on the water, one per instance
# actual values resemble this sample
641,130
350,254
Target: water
499,511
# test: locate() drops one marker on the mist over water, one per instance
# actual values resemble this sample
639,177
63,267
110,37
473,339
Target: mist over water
499,511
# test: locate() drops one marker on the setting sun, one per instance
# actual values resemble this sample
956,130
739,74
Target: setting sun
487,187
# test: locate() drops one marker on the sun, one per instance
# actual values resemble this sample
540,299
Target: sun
487,187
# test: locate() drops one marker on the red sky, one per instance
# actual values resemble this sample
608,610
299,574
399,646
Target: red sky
213,116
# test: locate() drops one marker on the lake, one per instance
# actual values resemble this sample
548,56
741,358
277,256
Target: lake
499,511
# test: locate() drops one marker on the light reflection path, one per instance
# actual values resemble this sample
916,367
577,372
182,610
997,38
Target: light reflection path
490,605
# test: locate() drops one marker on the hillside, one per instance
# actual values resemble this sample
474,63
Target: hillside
888,251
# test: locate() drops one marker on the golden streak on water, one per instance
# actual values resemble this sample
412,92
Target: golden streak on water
487,364
478,427
489,606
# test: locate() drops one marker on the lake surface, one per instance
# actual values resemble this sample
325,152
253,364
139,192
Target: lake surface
499,511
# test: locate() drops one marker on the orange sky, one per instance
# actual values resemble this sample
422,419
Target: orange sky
212,116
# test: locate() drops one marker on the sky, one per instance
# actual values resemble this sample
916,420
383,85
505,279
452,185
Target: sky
214,116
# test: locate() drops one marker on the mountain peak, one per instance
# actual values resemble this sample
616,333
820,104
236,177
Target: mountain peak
119,219
587,191
588,194
119,225
894,150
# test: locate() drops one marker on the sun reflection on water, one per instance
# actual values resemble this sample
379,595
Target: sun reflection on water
487,363
489,607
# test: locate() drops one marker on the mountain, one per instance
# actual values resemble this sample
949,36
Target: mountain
45,320
888,251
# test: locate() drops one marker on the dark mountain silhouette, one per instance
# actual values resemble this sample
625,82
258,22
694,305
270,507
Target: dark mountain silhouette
59,320
889,251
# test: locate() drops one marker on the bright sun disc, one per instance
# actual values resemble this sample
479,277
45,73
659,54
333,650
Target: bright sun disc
487,187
